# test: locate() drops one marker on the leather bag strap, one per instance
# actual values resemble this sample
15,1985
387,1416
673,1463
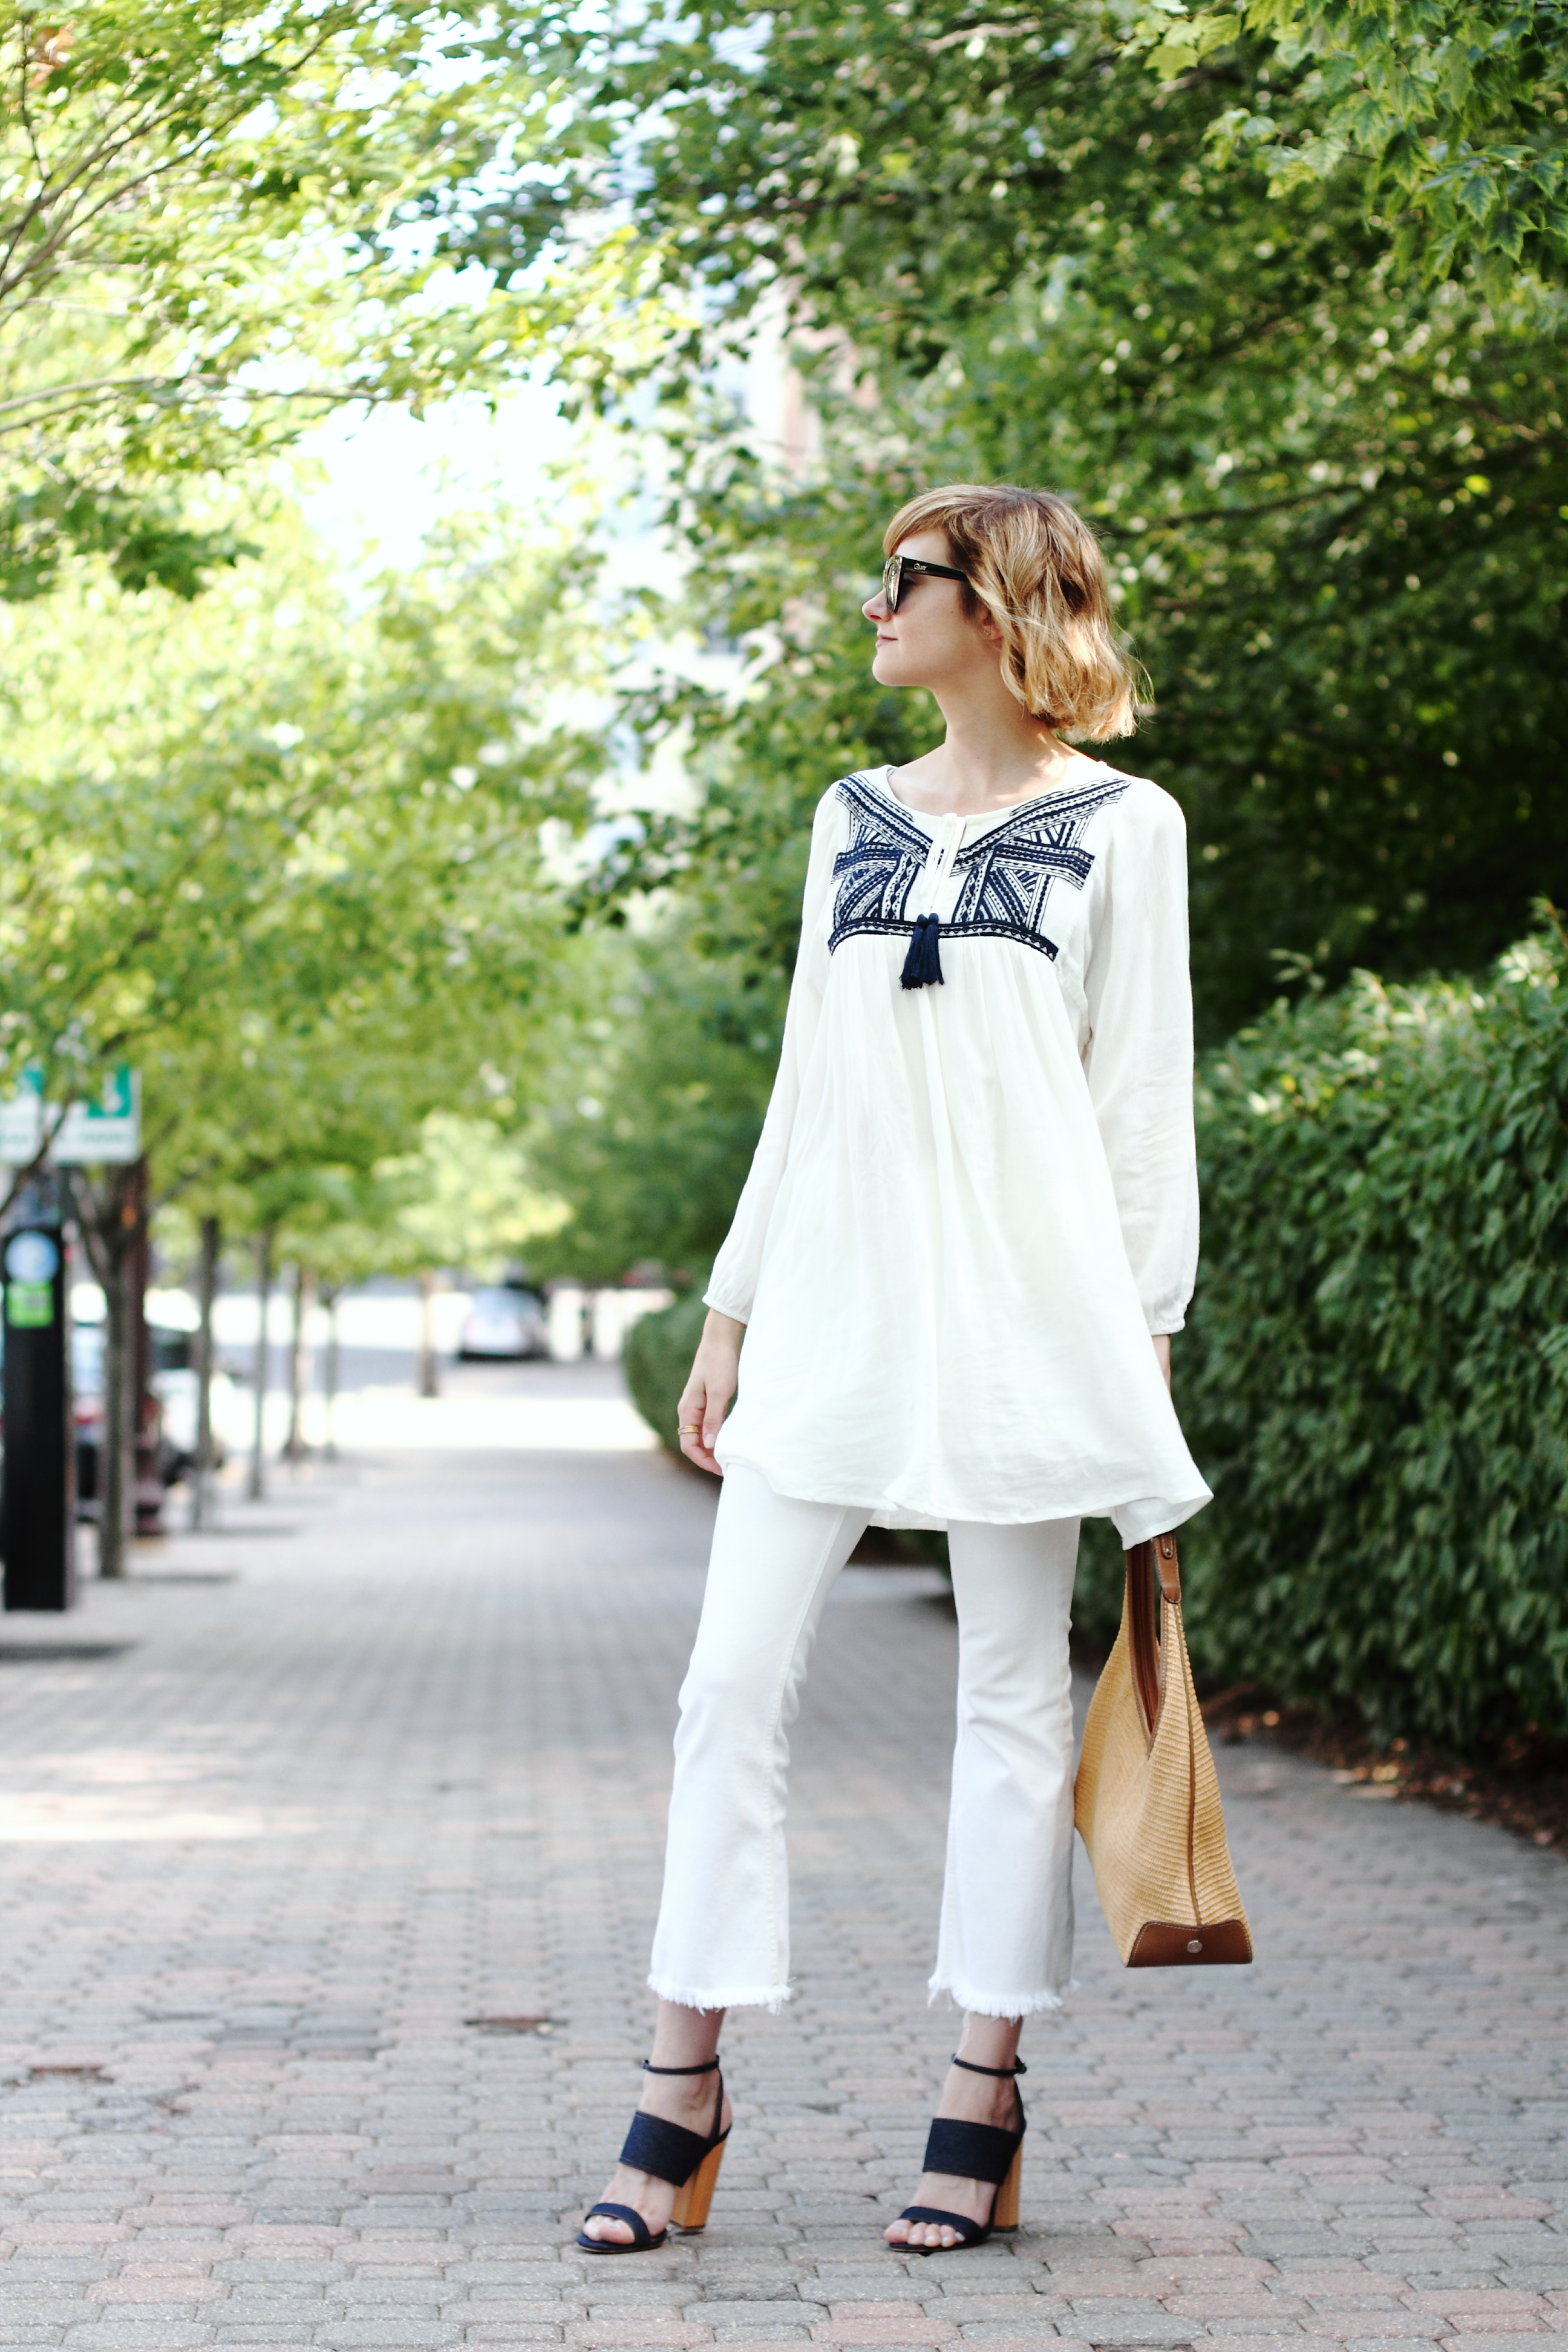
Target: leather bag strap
1157,1557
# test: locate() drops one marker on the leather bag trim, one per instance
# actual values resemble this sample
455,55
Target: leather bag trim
1168,1944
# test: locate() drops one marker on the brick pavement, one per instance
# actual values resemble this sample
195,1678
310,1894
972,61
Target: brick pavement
407,1769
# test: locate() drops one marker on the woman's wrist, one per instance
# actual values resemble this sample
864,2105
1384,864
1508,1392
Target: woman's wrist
725,1327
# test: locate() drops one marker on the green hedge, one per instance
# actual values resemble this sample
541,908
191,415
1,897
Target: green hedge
658,1354
1375,1377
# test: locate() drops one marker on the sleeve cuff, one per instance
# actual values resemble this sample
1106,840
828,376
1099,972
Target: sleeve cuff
738,1310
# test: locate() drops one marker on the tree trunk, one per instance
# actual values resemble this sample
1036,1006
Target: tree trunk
202,1496
330,1379
115,1478
146,1412
256,1484
299,1362
430,1384
107,1220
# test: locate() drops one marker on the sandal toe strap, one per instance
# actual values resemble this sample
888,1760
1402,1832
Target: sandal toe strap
970,2151
968,2228
667,2150
642,2238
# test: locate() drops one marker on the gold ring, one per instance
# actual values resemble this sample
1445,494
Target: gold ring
682,1431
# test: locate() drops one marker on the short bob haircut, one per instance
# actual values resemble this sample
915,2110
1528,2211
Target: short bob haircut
1035,567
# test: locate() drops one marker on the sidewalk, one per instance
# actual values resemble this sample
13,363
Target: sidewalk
282,1817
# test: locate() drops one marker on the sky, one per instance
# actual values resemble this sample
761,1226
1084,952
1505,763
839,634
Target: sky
380,482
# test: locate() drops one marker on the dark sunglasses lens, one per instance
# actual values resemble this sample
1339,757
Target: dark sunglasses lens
892,581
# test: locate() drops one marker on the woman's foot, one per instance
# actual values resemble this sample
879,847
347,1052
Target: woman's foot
972,2099
684,2099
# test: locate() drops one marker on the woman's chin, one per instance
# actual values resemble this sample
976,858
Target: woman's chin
889,672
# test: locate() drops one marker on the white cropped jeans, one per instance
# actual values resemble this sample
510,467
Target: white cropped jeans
1005,1947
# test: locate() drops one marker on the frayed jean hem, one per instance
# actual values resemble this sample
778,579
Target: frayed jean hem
988,2004
771,1997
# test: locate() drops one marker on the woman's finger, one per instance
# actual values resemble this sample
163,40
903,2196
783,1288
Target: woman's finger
691,1418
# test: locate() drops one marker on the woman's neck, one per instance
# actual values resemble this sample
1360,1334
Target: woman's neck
992,758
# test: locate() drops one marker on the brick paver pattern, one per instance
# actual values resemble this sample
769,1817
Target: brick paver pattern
402,1763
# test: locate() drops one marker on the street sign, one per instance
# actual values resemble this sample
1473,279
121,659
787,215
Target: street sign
105,1132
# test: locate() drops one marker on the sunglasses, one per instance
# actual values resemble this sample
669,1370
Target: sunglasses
899,568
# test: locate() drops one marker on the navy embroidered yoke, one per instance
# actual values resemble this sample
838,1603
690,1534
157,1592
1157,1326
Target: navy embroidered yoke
1006,873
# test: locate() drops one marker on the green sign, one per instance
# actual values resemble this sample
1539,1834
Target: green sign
29,1306
106,1130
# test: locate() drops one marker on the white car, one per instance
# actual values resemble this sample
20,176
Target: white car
509,1323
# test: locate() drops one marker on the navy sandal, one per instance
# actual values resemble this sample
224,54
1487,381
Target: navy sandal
688,2161
973,2152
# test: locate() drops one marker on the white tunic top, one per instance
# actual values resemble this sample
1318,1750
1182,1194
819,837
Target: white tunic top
972,1203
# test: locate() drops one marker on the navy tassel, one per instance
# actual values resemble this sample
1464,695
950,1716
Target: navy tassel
923,965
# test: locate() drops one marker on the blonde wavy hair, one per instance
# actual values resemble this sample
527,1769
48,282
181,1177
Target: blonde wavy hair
1035,567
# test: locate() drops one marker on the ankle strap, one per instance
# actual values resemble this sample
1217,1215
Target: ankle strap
1003,2074
710,2068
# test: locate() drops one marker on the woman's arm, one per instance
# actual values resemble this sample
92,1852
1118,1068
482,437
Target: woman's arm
1140,1058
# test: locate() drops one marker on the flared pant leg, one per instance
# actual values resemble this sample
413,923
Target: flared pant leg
722,1938
1005,1943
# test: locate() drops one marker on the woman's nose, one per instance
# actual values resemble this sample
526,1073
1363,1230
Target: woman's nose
876,607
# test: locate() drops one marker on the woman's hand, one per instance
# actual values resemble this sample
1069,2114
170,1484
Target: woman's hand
709,1388
1163,1350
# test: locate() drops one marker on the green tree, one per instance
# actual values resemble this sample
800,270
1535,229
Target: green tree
284,855
1334,494
650,1103
217,224
1456,107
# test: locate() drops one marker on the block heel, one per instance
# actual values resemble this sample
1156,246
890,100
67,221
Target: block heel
690,2211
686,2159
1004,2213
975,2152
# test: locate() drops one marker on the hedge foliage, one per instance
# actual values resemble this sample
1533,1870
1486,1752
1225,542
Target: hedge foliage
658,1354
1375,1377
1374,1374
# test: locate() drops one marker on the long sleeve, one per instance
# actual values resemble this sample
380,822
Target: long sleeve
1139,1060
733,1282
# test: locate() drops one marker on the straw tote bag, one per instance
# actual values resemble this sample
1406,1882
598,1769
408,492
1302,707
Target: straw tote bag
1146,1799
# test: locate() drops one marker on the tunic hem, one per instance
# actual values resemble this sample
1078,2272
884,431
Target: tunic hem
1162,1513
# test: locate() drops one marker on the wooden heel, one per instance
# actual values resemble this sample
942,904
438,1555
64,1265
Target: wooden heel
1005,2216
690,2211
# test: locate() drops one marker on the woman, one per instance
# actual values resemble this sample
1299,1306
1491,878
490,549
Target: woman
970,1228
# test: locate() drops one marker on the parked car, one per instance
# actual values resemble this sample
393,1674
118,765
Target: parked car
174,1385
505,1322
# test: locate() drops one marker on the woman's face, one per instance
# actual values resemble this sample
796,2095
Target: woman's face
928,641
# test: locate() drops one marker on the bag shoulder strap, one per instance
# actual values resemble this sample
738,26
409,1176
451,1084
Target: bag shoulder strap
1157,1557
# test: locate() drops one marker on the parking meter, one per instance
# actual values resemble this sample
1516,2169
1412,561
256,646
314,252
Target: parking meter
38,1501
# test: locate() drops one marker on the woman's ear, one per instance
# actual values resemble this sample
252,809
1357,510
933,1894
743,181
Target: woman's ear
989,627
